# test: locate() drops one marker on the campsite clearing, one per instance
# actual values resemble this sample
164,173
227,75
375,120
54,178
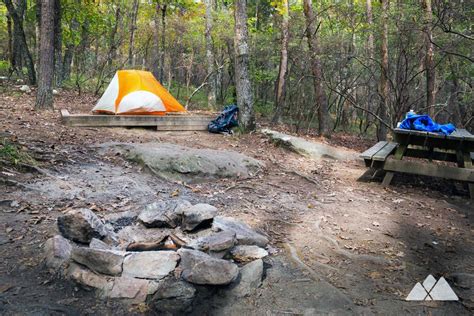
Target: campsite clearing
336,241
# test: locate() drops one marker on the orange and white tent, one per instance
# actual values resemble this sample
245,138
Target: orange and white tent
136,92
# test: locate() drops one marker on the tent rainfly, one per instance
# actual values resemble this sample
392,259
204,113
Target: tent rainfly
136,92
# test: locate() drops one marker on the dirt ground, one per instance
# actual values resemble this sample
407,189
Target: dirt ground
343,245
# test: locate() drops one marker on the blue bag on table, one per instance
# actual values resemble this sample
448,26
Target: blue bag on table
426,124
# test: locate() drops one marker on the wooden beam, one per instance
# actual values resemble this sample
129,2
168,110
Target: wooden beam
187,122
433,170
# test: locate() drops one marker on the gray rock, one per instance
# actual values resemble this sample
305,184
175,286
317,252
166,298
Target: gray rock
81,225
173,296
99,244
86,277
216,242
244,233
196,215
136,290
150,264
314,150
191,165
101,261
57,251
199,268
164,213
245,253
139,233
249,280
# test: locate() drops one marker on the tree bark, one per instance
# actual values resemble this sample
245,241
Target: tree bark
372,87
133,27
280,89
314,50
69,52
430,71
20,51
58,42
211,90
44,97
163,42
155,60
384,88
242,80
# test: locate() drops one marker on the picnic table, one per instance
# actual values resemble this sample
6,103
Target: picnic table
457,147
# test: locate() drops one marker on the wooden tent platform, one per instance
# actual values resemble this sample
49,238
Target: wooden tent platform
173,122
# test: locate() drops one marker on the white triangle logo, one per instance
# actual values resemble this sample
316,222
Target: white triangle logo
432,290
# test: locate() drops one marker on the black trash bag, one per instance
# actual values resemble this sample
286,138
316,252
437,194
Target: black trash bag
225,121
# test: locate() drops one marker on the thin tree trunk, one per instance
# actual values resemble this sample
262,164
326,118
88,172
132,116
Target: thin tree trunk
280,89
133,27
20,49
321,99
58,42
242,80
384,88
44,97
155,60
372,87
69,52
430,71
163,35
10,40
113,45
211,89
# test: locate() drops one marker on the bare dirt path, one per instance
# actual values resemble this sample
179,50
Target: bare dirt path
341,244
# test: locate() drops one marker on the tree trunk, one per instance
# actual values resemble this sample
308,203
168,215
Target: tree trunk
44,97
113,44
20,51
163,35
384,89
211,91
58,42
280,89
242,80
69,52
430,71
372,87
133,27
10,40
155,60
321,99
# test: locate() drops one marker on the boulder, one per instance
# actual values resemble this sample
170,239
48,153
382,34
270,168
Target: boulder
197,215
81,225
249,280
57,251
86,277
101,261
130,288
191,165
199,268
244,253
99,244
141,234
173,296
164,213
244,233
150,264
216,242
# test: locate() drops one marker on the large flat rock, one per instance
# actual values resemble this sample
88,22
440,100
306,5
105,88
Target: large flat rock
309,149
150,264
244,233
178,163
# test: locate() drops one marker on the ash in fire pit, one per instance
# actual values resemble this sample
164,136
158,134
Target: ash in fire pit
157,255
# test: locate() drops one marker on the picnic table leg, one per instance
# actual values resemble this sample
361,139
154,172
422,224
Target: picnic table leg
399,153
468,164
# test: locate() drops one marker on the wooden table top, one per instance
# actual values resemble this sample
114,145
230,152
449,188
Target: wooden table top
459,134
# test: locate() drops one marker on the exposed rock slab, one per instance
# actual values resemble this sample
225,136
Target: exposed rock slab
173,296
100,261
150,264
178,163
244,233
196,215
99,244
199,268
244,253
164,213
139,233
310,149
216,242
249,280
57,251
81,225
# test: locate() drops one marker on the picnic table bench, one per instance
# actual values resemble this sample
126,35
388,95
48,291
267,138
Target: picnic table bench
457,147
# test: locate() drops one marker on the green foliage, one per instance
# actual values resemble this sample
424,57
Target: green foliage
4,67
13,154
